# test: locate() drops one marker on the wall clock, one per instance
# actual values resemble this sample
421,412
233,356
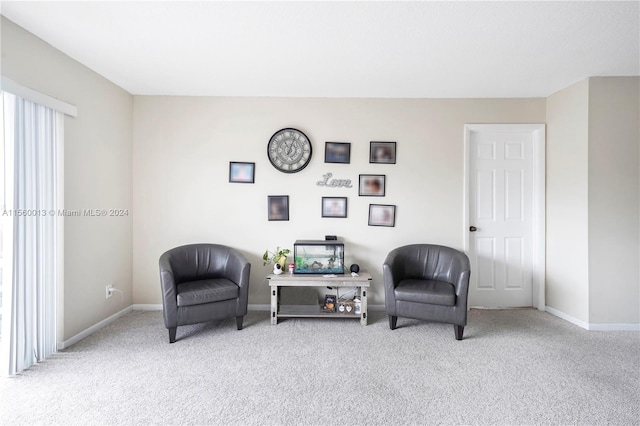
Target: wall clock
289,150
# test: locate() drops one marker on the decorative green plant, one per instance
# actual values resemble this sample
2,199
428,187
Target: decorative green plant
277,256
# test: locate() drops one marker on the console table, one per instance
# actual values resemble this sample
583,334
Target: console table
361,282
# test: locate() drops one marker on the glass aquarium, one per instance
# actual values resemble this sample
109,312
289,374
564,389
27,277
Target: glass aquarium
318,257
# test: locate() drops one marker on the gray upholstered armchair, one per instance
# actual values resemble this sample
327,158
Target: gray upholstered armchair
201,283
427,282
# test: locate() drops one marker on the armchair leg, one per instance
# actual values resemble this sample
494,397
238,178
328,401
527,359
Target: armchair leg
239,322
392,322
172,334
459,329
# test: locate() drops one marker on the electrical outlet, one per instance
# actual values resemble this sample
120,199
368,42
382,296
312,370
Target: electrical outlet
109,290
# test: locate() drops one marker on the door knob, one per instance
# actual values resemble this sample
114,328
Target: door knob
473,229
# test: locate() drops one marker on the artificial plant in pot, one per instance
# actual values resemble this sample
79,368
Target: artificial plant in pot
277,256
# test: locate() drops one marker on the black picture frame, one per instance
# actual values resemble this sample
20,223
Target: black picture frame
382,152
371,185
277,207
337,152
382,215
242,172
334,207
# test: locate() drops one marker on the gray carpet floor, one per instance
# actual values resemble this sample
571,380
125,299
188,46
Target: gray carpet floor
514,367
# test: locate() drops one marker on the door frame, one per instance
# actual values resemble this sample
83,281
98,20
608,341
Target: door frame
539,195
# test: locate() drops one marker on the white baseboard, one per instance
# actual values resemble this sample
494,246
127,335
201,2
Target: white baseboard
614,327
593,326
75,339
254,307
147,307
566,317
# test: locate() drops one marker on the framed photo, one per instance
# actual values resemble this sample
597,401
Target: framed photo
334,206
382,215
371,185
242,172
337,152
278,206
382,152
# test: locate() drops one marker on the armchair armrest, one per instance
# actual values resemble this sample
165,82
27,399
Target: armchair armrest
392,274
392,269
238,270
169,292
459,274
462,288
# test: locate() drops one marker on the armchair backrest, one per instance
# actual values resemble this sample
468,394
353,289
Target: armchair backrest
428,261
201,261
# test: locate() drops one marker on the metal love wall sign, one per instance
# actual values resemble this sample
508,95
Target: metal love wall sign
334,183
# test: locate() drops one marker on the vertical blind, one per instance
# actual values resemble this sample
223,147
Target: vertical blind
31,134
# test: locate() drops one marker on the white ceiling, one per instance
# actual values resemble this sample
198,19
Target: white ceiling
341,49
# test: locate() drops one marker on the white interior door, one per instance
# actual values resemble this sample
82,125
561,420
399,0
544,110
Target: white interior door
502,220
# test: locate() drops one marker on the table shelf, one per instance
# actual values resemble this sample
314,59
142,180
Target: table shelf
362,282
311,311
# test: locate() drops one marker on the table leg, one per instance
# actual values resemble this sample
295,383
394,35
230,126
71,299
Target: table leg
274,305
363,299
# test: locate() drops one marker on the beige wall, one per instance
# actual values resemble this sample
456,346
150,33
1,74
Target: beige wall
567,283
593,219
183,145
614,220
97,174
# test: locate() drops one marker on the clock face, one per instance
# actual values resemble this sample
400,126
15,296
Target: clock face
289,150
